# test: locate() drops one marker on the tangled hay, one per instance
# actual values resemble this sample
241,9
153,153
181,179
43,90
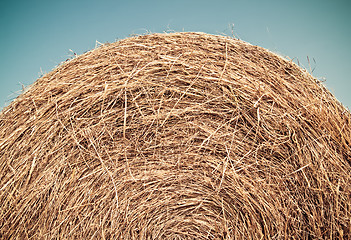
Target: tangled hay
176,136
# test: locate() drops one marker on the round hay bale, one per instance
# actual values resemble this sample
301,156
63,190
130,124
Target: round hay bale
176,136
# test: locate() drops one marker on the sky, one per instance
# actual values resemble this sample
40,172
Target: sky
37,35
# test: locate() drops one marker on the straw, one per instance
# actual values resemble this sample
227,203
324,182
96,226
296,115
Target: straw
176,136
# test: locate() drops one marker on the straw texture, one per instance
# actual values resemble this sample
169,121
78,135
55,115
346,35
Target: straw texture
176,136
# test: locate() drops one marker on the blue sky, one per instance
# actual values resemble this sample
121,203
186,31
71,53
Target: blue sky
37,35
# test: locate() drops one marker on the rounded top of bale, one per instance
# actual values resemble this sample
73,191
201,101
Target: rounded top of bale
176,136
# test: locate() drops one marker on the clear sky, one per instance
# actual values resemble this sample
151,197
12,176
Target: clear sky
36,35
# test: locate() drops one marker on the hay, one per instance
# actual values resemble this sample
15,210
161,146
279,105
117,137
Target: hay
176,136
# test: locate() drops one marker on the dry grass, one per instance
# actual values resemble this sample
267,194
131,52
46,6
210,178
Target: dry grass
176,136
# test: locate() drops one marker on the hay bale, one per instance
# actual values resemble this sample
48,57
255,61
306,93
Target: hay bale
176,136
